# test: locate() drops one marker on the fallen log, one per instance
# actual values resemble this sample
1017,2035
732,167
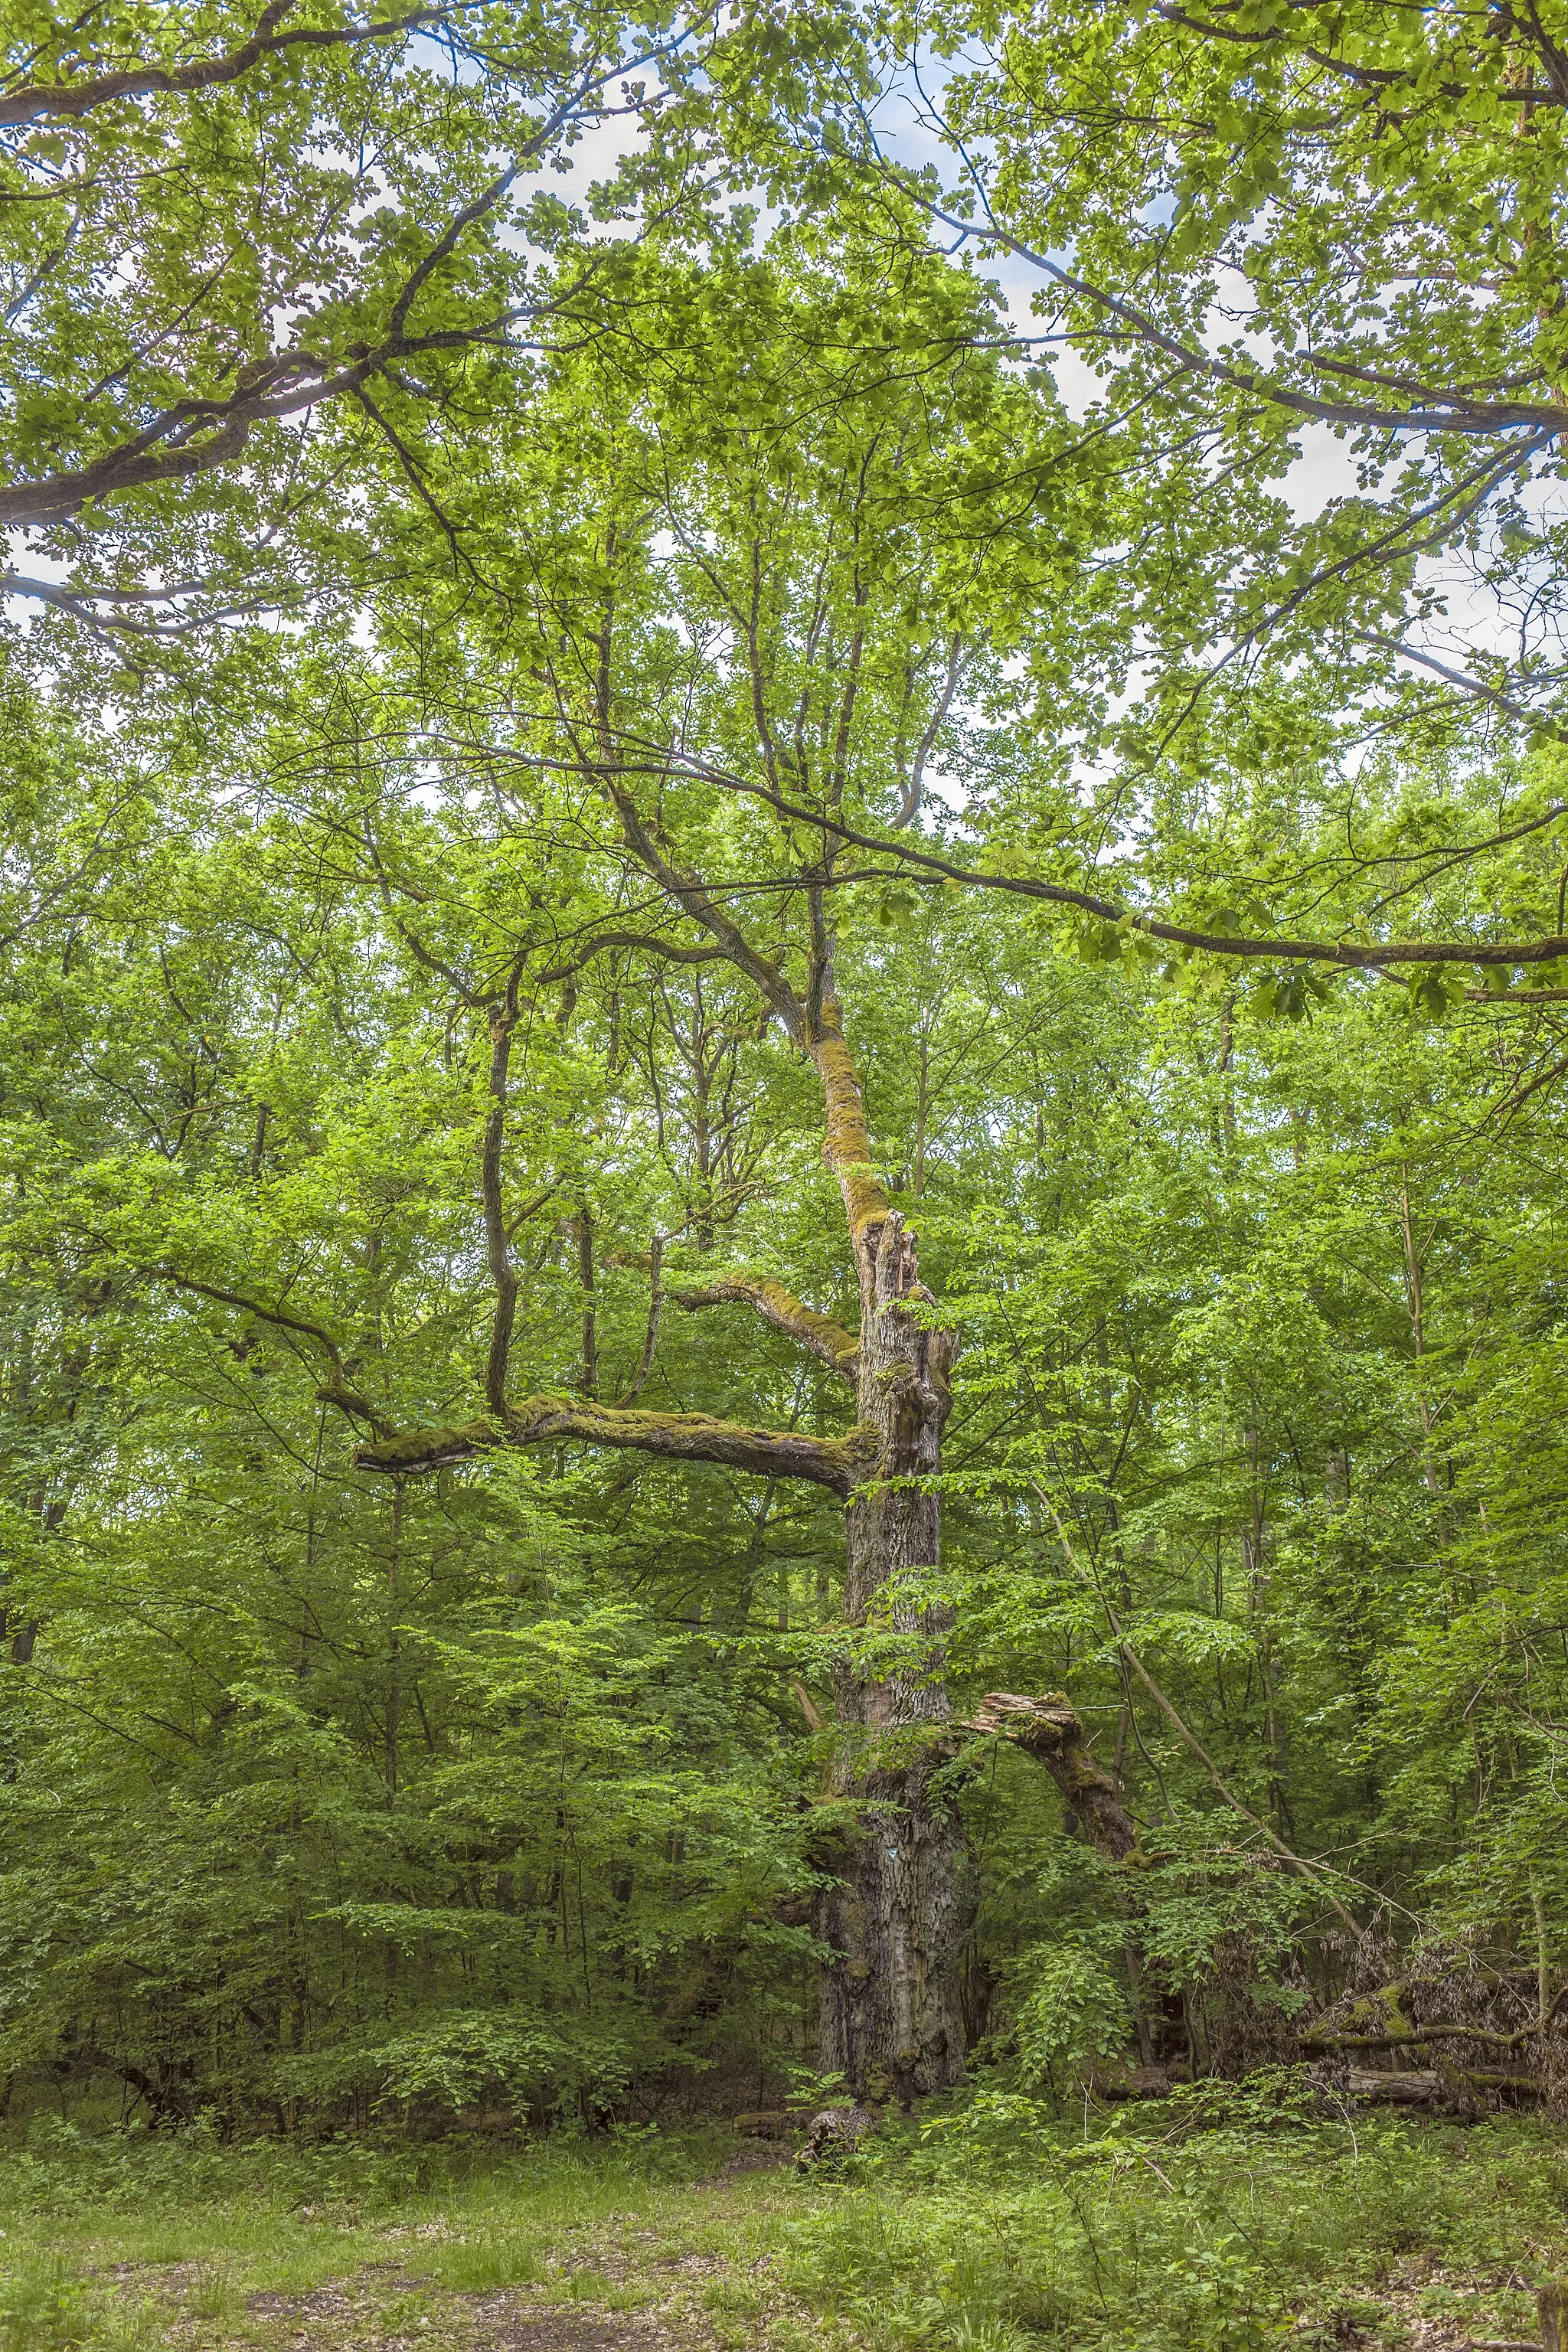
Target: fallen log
1413,2036
1418,2088
1421,2088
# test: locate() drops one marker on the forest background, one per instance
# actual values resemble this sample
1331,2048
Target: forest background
958,652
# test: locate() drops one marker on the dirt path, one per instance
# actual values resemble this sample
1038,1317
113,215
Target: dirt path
695,2284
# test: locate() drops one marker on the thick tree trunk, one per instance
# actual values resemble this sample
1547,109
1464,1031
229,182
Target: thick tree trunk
895,1919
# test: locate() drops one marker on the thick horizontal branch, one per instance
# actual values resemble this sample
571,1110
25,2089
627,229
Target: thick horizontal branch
827,1339
1425,2089
81,604
837,1463
67,101
1315,2039
641,942
196,435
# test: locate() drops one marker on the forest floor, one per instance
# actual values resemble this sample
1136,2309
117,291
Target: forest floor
1379,2234
575,2252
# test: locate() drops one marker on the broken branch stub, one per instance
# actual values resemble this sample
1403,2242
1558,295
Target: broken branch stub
1052,1730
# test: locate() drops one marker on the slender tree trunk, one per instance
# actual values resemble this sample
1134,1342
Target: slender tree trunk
393,1647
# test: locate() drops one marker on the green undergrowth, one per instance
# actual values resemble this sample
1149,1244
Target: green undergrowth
1212,2223
1204,2223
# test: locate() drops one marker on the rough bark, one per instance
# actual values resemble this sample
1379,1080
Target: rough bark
901,1899
1552,2306
837,2131
897,1915
1417,2089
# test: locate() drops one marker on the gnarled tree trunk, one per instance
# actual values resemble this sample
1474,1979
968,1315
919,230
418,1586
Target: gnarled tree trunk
895,1919
902,1899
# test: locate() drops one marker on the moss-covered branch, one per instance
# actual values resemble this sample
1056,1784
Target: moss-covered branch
827,1339
837,1463
847,1147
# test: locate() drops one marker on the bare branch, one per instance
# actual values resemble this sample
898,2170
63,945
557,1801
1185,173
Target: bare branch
1467,685
497,1237
335,1391
911,796
639,942
693,900
1051,1730
68,102
650,1336
1451,411
1348,954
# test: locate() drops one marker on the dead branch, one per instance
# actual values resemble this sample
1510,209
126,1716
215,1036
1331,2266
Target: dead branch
1051,1729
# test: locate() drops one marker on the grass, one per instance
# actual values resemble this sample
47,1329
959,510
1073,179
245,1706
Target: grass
136,2242
1210,2224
